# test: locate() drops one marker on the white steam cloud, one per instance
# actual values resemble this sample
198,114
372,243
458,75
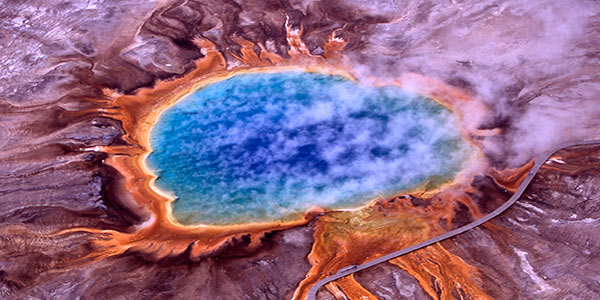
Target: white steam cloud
263,146
535,63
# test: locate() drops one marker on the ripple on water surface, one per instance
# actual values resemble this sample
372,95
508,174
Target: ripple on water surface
268,146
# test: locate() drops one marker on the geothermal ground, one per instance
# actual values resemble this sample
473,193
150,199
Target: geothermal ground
83,84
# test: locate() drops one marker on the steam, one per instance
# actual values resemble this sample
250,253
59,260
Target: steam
263,146
534,63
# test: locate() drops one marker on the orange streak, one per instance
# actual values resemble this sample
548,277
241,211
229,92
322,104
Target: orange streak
335,289
342,238
353,237
560,160
510,179
353,289
442,274
356,236
160,235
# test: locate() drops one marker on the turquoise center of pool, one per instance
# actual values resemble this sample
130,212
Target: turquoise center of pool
269,146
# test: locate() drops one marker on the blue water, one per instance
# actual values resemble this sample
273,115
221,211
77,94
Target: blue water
267,146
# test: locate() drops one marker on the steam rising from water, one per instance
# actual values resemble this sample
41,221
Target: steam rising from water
533,62
264,146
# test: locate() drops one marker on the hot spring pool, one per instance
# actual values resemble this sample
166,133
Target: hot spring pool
268,146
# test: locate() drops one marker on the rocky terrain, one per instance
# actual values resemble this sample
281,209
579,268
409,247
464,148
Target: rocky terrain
534,64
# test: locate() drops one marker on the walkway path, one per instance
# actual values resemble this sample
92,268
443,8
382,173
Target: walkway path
355,268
